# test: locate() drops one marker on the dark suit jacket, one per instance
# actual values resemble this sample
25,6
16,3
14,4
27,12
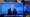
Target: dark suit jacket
10,13
25,13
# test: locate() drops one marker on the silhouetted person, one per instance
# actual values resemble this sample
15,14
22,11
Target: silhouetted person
12,10
25,12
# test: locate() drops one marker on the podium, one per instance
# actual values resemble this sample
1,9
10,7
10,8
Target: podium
13,15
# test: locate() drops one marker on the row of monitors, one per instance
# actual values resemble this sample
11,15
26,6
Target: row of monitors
18,7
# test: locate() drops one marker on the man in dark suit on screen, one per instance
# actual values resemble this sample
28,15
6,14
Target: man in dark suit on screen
25,12
12,10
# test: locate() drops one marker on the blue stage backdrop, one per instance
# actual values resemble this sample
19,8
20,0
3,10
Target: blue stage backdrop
28,8
18,6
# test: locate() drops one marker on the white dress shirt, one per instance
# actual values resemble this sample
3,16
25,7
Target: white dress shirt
11,10
19,1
